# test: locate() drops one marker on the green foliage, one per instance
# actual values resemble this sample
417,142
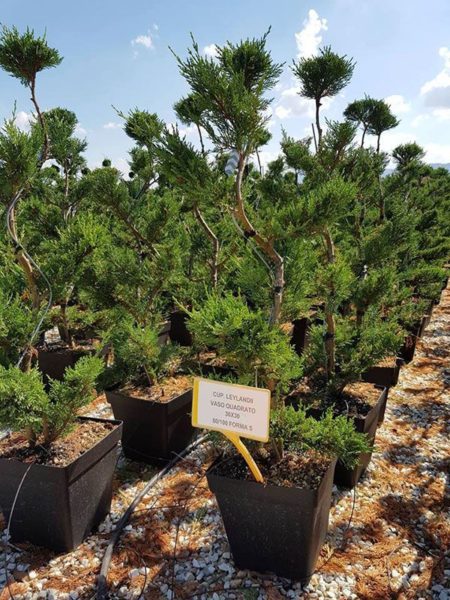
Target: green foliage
24,55
232,91
25,405
358,347
143,127
23,401
335,436
64,147
324,75
19,154
407,154
381,118
138,354
245,340
16,325
68,396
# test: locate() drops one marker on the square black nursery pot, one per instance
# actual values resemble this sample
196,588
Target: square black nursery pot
153,431
384,375
53,362
348,478
58,507
271,528
299,337
368,424
179,332
408,348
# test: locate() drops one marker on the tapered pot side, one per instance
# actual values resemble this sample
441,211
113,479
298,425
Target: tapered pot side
53,363
384,375
299,338
408,348
58,507
179,332
153,431
346,477
271,528
368,424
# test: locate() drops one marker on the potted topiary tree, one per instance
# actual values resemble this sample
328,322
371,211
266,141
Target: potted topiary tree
148,393
42,199
56,468
134,276
354,334
247,335
280,526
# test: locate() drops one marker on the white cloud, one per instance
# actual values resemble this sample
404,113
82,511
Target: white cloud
443,114
291,104
143,40
398,104
23,120
155,26
419,120
79,130
112,125
437,153
436,92
308,39
210,50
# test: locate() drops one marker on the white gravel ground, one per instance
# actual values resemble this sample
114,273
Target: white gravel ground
395,539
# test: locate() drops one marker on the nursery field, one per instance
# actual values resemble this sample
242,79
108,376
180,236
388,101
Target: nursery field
388,538
222,377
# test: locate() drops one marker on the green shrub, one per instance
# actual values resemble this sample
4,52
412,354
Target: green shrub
293,430
245,340
25,404
138,354
16,326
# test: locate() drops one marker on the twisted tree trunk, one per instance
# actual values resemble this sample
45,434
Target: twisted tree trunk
265,245
214,262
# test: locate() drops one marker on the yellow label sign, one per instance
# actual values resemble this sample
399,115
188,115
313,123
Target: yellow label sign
231,409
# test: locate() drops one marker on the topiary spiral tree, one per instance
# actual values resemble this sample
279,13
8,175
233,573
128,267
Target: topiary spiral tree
23,56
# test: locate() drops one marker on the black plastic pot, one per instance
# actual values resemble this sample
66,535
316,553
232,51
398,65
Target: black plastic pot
384,376
368,425
348,478
153,431
53,362
273,528
299,338
179,332
57,507
416,331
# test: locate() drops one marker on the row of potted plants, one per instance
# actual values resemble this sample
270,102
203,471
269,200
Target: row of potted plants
305,278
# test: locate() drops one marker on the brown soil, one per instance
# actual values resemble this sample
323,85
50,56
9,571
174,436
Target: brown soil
388,362
211,359
62,452
167,389
356,401
287,328
304,470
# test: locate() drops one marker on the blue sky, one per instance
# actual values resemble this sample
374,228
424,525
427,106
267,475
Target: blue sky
116,53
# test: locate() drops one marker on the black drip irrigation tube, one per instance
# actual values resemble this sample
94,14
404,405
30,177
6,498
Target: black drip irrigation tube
102,586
